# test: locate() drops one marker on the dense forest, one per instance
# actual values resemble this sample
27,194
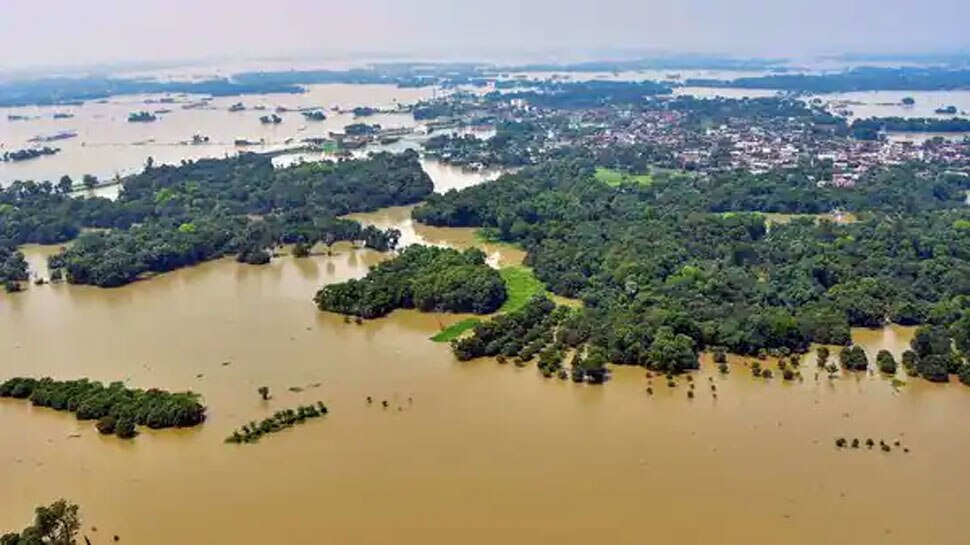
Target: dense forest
664,260
116,408
173,216
894,189
427,278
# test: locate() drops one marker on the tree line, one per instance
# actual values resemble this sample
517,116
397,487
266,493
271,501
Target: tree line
281,420
856,79
869,128
116,409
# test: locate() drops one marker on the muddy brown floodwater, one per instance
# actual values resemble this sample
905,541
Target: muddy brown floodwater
483,454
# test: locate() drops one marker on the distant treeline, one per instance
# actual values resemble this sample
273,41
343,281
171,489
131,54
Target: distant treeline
69,90
64,90
581,95
859,79
116,408
673,62
868,128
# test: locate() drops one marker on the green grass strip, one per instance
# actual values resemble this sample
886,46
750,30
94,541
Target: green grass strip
455,330
521,285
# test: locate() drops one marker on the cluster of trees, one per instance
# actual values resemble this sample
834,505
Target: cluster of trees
654,260
314,115
939,351
540,328
69,90
55,524
842,442
520,334
427,278
281,420
174,216
909,188
435,109
513,145
853,358
869,128
25,154
142,117
708,112
117,409
13,267
361,129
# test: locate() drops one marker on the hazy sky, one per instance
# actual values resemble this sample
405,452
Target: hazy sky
68,32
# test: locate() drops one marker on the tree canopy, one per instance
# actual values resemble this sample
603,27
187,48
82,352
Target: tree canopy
684,259
173,216
427,278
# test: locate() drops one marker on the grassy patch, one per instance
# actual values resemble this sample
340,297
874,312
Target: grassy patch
521,285
613,177
455,330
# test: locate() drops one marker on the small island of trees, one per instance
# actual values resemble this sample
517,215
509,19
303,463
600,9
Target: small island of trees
141,117
27,154
116,409
427,278
281,420
315,115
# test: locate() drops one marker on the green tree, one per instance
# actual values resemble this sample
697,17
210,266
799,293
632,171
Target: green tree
886,362
930,340
125,428
65,185
301,249
671,353
822,356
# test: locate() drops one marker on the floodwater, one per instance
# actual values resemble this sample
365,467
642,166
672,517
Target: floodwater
864,104
482,453
725,92
107,145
